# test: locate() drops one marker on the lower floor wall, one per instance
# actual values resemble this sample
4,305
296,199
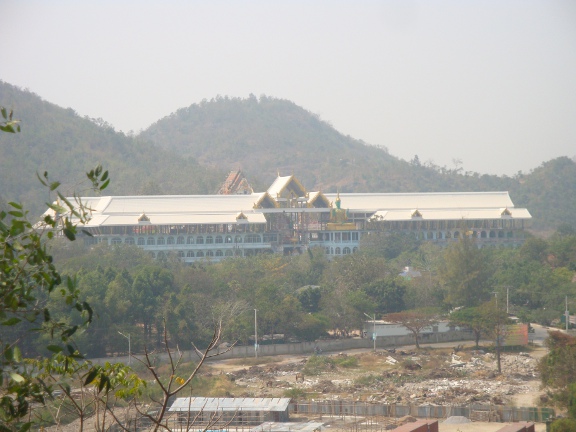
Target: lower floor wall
475,412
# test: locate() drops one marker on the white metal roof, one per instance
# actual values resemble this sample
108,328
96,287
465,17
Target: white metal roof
196,404
289,427
278,184
421,201
224,209
451,214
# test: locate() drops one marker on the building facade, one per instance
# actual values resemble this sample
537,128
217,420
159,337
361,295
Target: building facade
288,219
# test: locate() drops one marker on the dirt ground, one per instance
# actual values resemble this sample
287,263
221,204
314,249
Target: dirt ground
431,375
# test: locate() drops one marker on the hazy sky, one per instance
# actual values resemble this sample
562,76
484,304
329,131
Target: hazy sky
492,83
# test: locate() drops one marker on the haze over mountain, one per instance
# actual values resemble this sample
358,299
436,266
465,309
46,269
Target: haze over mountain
191,150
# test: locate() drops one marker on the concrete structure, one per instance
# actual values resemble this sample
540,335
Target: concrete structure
218,412
384,328
289,219
289,427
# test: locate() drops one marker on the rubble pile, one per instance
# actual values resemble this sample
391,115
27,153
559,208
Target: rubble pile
439,378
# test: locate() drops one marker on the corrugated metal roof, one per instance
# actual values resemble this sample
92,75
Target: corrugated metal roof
196,404
455,214
421,201
169,219
223,209
279,184
289,427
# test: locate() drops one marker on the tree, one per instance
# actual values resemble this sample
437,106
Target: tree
497,321
414,320
471,318
558,367
28,277
466,272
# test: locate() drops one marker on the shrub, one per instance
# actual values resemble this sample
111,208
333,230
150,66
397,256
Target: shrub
563,425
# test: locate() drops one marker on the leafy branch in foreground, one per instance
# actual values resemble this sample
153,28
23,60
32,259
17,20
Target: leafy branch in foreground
8,124
28,277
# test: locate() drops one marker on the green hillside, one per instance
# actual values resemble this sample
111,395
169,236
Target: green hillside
267,135
66,145
191,151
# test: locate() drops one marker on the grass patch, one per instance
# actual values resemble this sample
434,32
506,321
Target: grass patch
369,380
295,393
252,361
318,364
346,361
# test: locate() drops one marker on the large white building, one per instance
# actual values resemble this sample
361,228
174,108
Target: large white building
288,219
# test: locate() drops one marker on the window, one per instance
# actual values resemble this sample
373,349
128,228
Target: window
228,239
190,240
337,251
170,240
218,239
327,251
181,254
141,241
180,240
219,253
200,240
190,254
252,238
346,250
238,239
200,254
129,240
228,253
209,253
209,240
116,240
150,241
160,241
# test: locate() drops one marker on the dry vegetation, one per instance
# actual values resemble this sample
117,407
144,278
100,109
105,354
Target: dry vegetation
436,376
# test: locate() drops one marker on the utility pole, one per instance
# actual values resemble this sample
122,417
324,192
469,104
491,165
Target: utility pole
256,333
129,347
567,315
373,318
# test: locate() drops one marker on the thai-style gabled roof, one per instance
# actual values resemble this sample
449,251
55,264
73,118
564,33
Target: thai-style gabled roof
265,201
286,187
318,200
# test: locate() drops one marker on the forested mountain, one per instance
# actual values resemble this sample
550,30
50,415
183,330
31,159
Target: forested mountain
191,150
66,145
266,135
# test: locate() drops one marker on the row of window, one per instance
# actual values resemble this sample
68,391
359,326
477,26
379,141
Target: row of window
343,236
429,235
198,254
338,251
142,241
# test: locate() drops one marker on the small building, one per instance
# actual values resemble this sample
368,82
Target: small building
214,413
385,328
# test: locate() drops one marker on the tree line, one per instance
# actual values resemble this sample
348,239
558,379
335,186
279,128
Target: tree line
307,296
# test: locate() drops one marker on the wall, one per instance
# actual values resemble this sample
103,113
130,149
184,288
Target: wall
303,348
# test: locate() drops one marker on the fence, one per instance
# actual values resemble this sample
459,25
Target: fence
477,412
302,348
